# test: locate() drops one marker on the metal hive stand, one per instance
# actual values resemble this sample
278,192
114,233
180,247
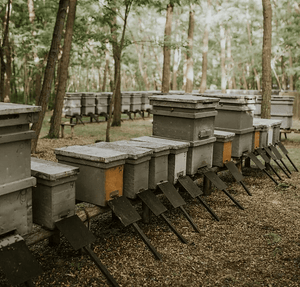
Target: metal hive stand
189,186
127,214
79,236
17,262
177,201
285,152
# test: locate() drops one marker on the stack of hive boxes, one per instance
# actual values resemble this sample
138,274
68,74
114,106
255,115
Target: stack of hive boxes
102,103
188,118
16,181
88,103
235,114
72,104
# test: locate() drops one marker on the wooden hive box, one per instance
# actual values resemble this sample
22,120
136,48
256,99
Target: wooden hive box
136,170
53,198
158,166
222,147
16,206
260,137
101,172
273,129
177,158
183,117
15,141
125,102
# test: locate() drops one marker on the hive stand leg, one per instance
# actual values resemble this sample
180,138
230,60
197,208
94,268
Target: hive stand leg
62,131
54,239
285,166
146,241
178,234
72,131
29,283
273,169
103,269
206,186
146,213
245,187
247,162
207,207
278,164
270,176
296,169
191,221
233,199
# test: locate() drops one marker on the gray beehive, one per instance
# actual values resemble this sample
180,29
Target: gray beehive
158,166
200,154
135,101
15,140
125,102
273,128
222,147
260,134
53,198
88,103
102,103
136,170
145,101
183,117
101,172
16,206
72,104
177,160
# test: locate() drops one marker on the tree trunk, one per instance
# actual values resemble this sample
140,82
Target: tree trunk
8,72
64,65
223,70
49,71
2,52
291,87
165,87
266,61
189,56
283,76
107,57
229,67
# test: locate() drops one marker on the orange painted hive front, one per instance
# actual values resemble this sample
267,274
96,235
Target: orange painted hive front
101,172
222,147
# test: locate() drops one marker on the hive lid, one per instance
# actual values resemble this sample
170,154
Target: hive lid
11,109
133,152
239,98
155,146
173,143
266,122
92,153
50,170
187,98
223,135
88,95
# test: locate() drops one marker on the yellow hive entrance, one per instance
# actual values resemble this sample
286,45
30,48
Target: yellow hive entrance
227,151
114,182
256,140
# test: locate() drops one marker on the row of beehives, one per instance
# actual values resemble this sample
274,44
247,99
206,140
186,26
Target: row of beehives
184,140
98,103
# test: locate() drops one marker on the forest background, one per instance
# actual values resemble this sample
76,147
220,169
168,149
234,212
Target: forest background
209,44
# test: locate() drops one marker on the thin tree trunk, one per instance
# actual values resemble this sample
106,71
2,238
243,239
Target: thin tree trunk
2,52
26,81
165,87
205,48
62,84
283,76
49,71
252,57
7,88
229,66
223,70
266,61
291,66
189,56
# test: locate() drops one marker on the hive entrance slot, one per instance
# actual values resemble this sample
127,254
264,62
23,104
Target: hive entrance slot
79,236
16,261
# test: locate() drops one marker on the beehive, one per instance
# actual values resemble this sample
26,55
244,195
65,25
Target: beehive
158,166
183,117
145,101
260,136
101,172
273,129
102,103
222,147
16,206
15,140
136,170
135,101
125,102
177,160
53,198
88,103
72,104
200,154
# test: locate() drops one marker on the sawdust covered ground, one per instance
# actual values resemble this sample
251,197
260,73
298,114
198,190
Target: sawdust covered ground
259,246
